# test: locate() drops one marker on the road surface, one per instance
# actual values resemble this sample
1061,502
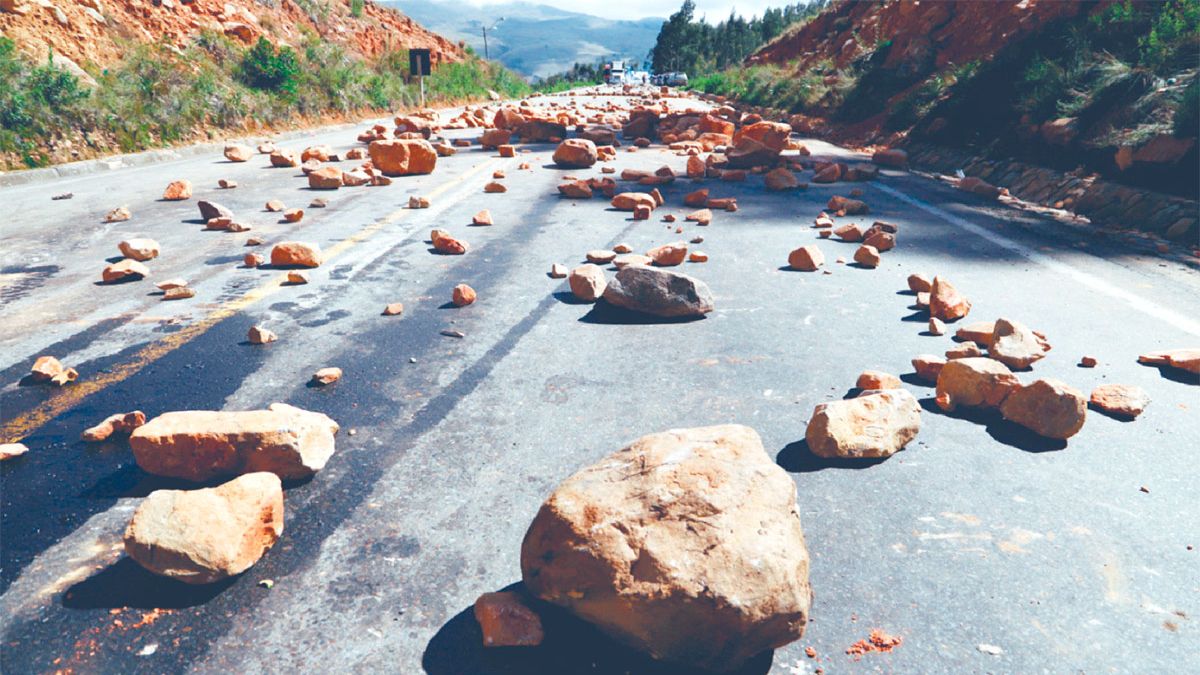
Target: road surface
977,538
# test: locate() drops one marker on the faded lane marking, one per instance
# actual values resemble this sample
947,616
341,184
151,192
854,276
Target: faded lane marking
68,397
1139,303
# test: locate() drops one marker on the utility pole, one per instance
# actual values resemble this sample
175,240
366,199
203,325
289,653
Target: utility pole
485,28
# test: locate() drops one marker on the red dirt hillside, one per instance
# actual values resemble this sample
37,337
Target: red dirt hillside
949,31
94,30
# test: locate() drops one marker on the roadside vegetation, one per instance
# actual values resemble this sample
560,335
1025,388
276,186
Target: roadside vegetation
159,95
579,75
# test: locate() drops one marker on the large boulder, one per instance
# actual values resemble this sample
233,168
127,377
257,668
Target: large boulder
629,201
687,545
659,292
877,424
296,254
758,144
974,382
139,249
1126,401
199,445
1047,407
1183,359
575,153
945,302
507,118
1015,345
535,131
210,210
202,536
403,157
587,282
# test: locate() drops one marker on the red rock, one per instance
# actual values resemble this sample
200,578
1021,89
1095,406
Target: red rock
321,153
829,173
506,150
139,249
446,244
880,241
325,178
117,215
1120,400
393,309
238,153
575,153
462,295
697,198
893,157
695,167
403,157
781,179
867,256
576,189
628,201
297,278
964,351
979,332
124,269
974,382
697,257
293,215
847,206
917,283
878,424
257,335
206,535
642,212
877,379
274,205
980,187
285,158
1015,345
928,366
253,260
178,190
494,188
1088,362
1183,359
506,621
121,423
739,584
600,256
849,232
199,445
587,282
296,253
179,293
484,217
702,216
10,450
945,302
327,375
936,327
558,271
668,255
1047,407
806,258
415,202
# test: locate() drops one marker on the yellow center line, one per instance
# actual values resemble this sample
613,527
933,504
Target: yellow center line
70,396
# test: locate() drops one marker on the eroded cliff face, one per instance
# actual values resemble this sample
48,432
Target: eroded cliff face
97,32
925,33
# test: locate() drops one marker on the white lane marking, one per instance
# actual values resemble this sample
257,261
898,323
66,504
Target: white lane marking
1139,303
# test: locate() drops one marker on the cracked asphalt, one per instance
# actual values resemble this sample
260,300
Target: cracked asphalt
1068,557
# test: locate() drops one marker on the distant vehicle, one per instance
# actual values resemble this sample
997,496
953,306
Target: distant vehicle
676,79
637,77
614,72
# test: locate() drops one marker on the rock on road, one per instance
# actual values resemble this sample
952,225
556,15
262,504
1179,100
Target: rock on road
974,536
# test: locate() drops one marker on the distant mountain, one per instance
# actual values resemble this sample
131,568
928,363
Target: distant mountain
535,40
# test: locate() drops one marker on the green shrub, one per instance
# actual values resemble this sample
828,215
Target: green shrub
356,8
265,67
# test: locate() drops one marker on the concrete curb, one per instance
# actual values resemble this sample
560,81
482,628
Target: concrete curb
90,166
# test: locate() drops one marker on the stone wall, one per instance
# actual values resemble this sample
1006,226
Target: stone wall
1101,201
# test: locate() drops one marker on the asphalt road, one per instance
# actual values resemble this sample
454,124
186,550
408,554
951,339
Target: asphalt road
1075,557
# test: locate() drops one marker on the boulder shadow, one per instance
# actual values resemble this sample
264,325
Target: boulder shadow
127,584
909,292
1109,414
571,647
914,379
1001,430
918,316
131,481
225,260
604,313
568,298
796,457
114,259
132,278
1177,375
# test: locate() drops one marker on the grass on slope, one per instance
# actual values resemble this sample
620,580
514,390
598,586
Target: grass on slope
159,95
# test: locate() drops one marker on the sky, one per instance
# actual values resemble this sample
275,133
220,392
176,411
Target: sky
713,10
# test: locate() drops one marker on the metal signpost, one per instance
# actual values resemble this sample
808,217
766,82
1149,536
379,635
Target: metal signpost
419,64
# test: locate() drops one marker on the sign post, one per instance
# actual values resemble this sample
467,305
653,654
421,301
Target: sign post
419,65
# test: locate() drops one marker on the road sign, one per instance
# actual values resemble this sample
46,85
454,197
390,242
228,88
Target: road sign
419,62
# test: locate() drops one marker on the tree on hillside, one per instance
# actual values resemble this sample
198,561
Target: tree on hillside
694,47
